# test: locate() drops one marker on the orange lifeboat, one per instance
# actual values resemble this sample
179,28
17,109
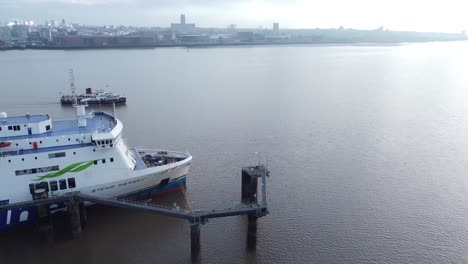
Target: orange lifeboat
5,144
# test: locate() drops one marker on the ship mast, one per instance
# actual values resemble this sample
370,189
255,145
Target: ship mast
80,108
72,87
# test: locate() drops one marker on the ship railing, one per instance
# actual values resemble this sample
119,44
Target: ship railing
151,204
162,152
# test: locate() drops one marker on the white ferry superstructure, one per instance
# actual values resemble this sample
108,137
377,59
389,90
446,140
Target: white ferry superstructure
86,154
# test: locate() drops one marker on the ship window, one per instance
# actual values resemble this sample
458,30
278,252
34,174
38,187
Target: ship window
68,139
95,162
37,170
71,183
63,184
47,127
107,141
57,155
111,159
103,161
99,142
10,128
53,186
0,128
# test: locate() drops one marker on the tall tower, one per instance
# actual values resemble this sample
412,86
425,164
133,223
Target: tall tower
182,19
276,27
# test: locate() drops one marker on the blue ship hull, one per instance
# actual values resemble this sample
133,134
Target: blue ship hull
27,216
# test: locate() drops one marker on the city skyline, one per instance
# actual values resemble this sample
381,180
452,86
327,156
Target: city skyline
418,15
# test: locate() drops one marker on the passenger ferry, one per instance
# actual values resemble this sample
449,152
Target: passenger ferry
86,154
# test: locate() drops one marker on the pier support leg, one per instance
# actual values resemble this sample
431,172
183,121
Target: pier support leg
44,221
83,215
251,232
195,246
75,222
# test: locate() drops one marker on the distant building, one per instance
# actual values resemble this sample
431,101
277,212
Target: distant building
245,36
45,33
53,23
182,27
103,41
63,24
5,33
182,19
20,32
275,27
34,36
232,28
194,38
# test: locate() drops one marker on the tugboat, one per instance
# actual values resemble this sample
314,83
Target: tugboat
98,97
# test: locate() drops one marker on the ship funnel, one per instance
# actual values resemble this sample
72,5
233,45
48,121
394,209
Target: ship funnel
81,114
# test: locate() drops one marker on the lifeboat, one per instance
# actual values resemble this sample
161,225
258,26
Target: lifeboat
5,144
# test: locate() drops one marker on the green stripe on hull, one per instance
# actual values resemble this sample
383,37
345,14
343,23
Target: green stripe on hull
75,167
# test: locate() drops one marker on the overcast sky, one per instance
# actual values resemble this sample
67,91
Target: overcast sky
420,15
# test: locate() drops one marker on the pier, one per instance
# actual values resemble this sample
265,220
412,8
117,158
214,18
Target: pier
76,210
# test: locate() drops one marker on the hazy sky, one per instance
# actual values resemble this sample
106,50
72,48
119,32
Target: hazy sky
421,15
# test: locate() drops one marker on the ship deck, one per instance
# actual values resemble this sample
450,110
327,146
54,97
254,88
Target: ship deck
100,121
154,158
18,120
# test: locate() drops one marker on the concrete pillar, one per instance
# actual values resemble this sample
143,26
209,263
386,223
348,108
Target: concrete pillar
83,215
251,231
195,246
73,210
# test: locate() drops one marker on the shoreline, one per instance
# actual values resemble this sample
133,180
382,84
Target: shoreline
209,45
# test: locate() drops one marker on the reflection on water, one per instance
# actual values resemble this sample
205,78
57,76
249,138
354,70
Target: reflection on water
366,146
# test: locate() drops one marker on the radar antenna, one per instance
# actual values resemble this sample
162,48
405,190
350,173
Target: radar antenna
72,87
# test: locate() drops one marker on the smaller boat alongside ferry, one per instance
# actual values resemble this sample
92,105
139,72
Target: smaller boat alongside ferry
97,97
